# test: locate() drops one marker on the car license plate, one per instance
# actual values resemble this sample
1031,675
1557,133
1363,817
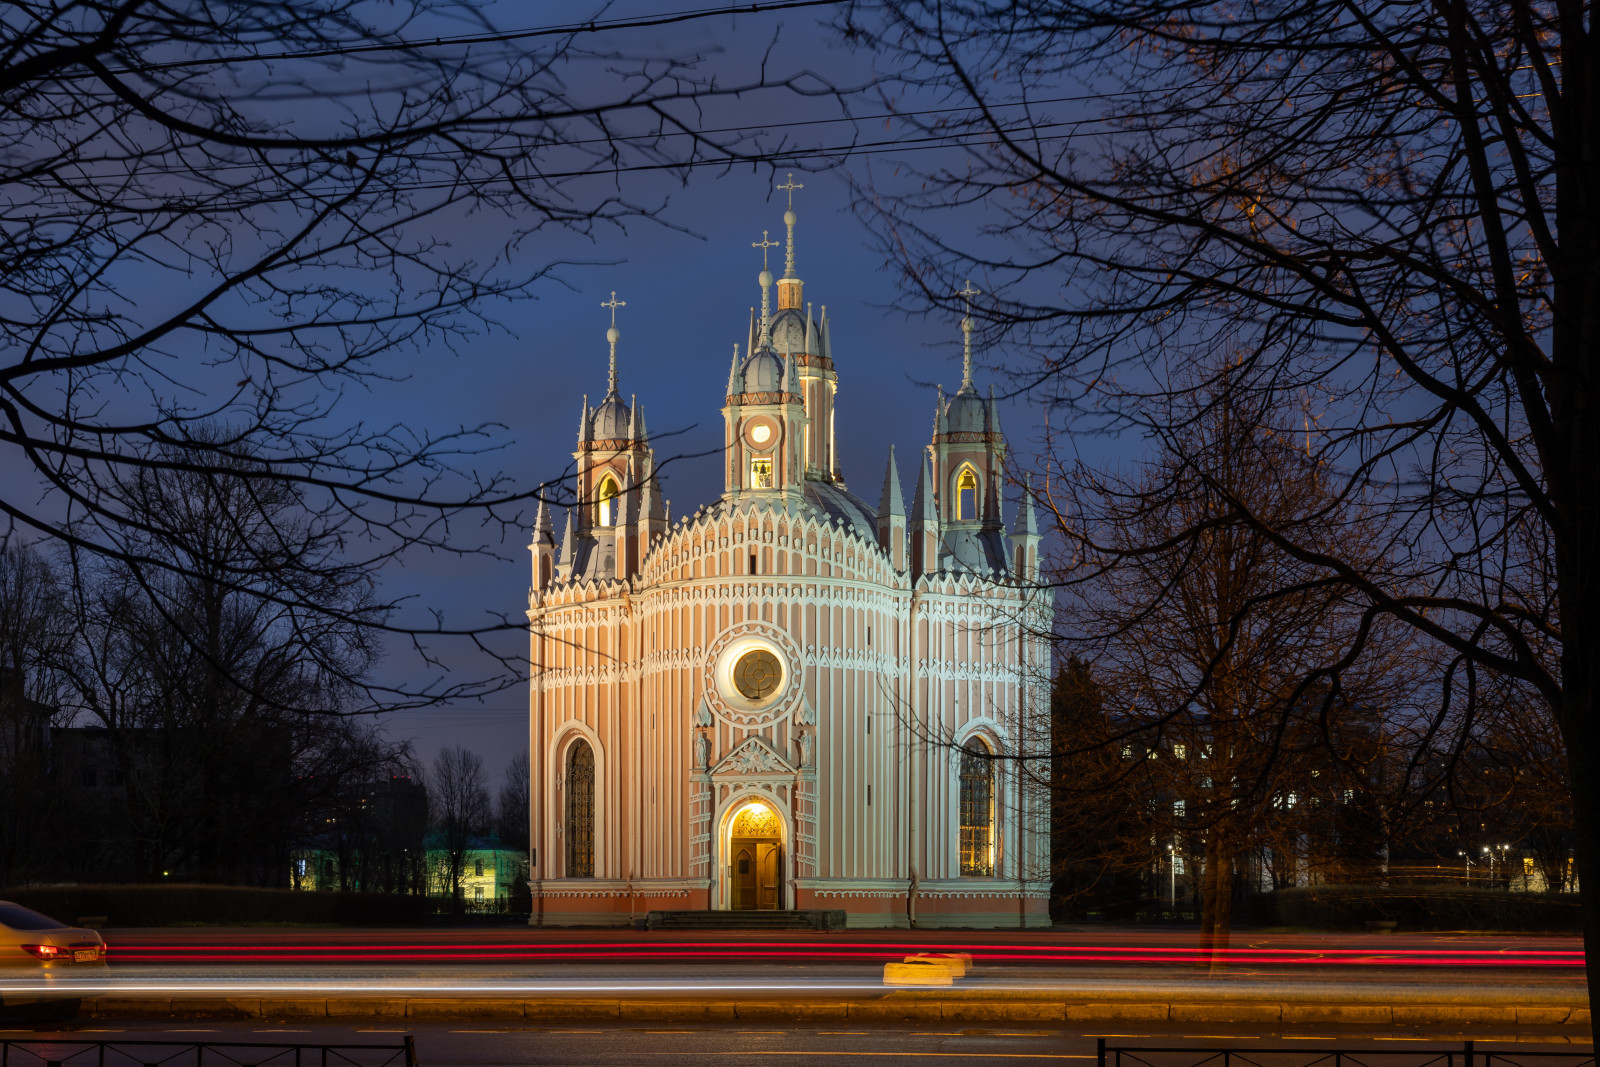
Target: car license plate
85,955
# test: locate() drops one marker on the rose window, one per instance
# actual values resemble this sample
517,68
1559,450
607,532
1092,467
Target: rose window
757,675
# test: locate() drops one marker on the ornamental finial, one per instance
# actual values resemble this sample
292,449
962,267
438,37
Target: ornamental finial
613,334
967,292
789,219
765,278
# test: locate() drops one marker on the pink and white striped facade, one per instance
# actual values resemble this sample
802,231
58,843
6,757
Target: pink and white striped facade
902,641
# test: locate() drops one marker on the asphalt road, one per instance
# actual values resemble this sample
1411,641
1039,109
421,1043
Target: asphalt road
452,1045
521,961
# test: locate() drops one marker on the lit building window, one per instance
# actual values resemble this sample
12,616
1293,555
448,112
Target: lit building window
607,502
966,494
761,472
977,810
1180,751
580,811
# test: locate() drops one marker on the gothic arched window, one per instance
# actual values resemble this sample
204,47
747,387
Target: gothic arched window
606,499
966,494
580,811
977,810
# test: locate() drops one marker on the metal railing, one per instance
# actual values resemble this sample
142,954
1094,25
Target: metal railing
1465,1055
71,1052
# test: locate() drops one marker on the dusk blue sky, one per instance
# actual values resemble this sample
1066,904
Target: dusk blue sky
688,282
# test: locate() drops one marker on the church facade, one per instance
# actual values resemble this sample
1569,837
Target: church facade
789,698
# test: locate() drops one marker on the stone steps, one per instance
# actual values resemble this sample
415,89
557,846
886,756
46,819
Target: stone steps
746,920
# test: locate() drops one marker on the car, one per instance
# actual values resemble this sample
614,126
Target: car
30,939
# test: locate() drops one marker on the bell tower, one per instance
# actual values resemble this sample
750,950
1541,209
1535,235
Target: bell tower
618,508
968,448
764,413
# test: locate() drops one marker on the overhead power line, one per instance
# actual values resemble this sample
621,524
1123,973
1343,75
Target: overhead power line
569,29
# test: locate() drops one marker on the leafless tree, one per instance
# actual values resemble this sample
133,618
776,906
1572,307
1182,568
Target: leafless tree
235,214
1228,657
1389,206
208,677
458,801
33,632
511,808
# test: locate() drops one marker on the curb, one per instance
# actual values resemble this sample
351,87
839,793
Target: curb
899,1007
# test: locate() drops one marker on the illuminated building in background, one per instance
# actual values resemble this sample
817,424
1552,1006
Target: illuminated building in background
788,699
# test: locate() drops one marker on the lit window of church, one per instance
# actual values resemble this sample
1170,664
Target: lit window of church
580,811
761,472
977,810
607,498
966,495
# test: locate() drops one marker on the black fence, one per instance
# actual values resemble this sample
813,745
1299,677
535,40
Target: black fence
67,1052
1463,1055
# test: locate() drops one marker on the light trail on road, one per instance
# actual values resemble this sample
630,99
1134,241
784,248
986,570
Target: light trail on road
769,951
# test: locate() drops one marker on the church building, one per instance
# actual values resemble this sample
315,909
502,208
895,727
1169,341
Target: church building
788,698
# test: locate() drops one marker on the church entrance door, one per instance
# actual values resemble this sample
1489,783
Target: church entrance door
755,860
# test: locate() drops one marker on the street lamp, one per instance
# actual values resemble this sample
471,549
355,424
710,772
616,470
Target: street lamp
1172,872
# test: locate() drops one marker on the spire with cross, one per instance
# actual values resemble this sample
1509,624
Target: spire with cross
765,278
613,334
967,292
789,219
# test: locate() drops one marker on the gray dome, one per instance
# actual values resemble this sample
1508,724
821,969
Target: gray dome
789,331
965,412
610,420
763,373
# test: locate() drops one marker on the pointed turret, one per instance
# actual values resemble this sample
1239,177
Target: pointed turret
924,522
569,548
813,342
542,546
583,420
890,502
892,515
735,379
1025,538
993,414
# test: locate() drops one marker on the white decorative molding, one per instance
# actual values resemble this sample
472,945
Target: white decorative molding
754,756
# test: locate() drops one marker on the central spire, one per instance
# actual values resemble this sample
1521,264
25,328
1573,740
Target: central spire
789,219
789,286
967,293
765,278
613,335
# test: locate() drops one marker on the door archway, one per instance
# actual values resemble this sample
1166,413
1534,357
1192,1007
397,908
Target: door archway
754,867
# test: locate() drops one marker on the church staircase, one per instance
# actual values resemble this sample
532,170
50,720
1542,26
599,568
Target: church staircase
819,919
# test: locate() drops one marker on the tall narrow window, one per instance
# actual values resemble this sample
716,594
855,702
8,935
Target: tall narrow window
966,494
580,811
977,810
761,472
607,499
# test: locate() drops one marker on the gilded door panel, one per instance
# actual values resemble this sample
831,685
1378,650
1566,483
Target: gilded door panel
744,879
767,876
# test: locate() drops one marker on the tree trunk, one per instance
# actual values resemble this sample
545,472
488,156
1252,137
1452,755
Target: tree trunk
1580,668
1221,911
